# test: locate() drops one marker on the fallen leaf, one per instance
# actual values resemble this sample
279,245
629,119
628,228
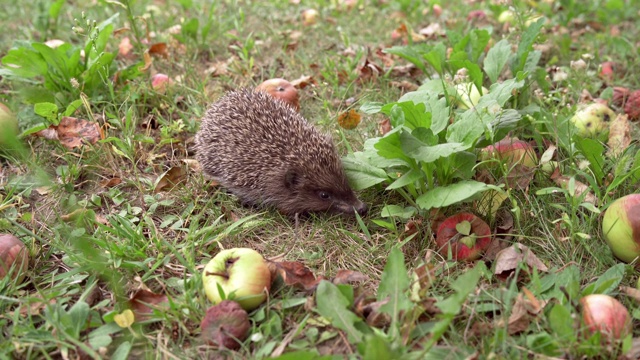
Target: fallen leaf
73,132
143,302
171,177
147,61
303,81
404,85
369,71
525,308
159,49
619,136
109,183
490,202
508,260
384,126
631,292
580,187
125,319
349,276
295,274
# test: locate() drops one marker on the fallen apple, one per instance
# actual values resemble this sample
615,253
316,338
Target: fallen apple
8,127
605,315
160,83
225,325
14,258
511,151
281,89
310,16
468,95
621,227
506,16
242,272
465,235
593,120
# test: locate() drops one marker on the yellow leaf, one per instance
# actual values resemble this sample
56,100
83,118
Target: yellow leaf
124,319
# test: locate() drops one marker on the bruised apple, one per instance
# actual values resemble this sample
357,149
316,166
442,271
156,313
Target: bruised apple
511,151
606,315
593,120
466,235
225,325
239,271
621,227
281,89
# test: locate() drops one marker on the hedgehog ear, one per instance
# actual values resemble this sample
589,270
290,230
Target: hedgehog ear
291,179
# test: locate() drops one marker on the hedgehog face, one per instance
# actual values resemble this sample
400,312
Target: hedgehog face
314,195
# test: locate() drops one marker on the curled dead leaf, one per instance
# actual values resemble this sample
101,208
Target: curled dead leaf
159,49
73,132
348,277
510,258
171,177
294,273
143,302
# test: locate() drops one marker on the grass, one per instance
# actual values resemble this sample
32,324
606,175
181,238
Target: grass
92,244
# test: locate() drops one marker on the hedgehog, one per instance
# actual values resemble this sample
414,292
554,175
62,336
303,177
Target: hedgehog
263,151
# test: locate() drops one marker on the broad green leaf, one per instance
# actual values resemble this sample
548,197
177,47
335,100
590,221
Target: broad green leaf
439,114
452,194
467,129
496,59
361,174
394,284
190,29
122,352
478,41
524,47
437,57
331,304
411,53
72,107
409,177
561,322
48,111
609,281
502,92
398,211
390,146
543,343
306,355
413,115
371,107
416,149
593,151
461,164
25,62
78,315
569,281
54,9
376,347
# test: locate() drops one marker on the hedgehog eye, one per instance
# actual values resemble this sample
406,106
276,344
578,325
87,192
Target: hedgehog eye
324,195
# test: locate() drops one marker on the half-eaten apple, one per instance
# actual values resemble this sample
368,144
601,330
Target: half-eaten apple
464,235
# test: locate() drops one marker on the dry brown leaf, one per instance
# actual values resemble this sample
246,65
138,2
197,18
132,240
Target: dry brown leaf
349,119
109,183
631,292
172,177
294,273
143,302
508,259
369,71
348,277
404,85
580,187
147,61
303,81
73,132
159,49
384,126
619,135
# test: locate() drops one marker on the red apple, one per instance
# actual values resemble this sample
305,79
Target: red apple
14,257
465,234
160,82
621,227
606,315
242,272
511,151
281,89
225,325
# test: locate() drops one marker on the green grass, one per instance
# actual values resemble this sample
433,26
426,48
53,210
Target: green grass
93,246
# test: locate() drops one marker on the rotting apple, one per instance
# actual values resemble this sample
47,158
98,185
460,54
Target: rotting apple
468,95
621,227
240,271
281,89
466,245
511,151
593,120
606,315
225,325
14,257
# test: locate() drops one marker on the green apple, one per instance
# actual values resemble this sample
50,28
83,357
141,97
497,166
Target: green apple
242,272
593,120
8,127
621,227
468,95
506,16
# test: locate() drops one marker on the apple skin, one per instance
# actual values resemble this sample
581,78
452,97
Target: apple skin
468,95
460,251
281,89
8,126
241,271
606,315
593,120
13,256
512,151
160,83
621,227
